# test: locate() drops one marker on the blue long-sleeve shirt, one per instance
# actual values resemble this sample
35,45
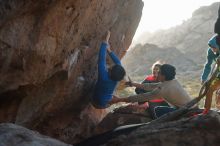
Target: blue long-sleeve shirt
211,56
104,87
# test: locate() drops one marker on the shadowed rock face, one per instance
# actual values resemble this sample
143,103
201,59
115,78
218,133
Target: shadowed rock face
11,135
48,60
202,130
131,114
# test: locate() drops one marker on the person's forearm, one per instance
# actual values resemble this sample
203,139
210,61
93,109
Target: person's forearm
102,55
114,58
102,71
143,97
206,71
208,64
137,85
136,98
145,86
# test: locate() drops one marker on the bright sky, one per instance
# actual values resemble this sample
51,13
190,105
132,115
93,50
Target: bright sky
163,14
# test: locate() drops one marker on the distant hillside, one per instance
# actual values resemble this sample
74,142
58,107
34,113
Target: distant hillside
140,58
183,46
191,36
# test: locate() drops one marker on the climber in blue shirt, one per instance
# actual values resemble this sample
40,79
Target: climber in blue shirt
212,54
107,78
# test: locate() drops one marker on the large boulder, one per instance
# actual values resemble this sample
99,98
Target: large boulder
187,130
203,130
48,60
11,135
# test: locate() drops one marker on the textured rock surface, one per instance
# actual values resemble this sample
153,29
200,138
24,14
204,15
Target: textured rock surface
198,131
131,114
11,135
184,46
48,60
191,36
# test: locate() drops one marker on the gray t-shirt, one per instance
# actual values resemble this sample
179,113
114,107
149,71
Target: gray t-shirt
171,91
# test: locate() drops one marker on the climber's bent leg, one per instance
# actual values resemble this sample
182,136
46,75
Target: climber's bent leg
214,86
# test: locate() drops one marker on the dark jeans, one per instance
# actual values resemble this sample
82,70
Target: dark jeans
153,105
162,110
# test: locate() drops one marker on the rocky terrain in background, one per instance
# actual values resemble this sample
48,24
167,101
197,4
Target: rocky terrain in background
48,68
48,60
14,135
184,46
191,36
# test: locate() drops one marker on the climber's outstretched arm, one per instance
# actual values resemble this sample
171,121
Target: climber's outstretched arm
155,94
102,69
114,58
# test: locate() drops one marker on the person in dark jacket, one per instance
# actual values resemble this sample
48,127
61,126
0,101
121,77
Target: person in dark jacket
107,78
212,55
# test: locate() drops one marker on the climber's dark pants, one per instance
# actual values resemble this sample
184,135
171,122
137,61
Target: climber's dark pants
161,110
153,105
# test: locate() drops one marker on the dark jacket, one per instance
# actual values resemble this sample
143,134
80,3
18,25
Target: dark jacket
210,58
